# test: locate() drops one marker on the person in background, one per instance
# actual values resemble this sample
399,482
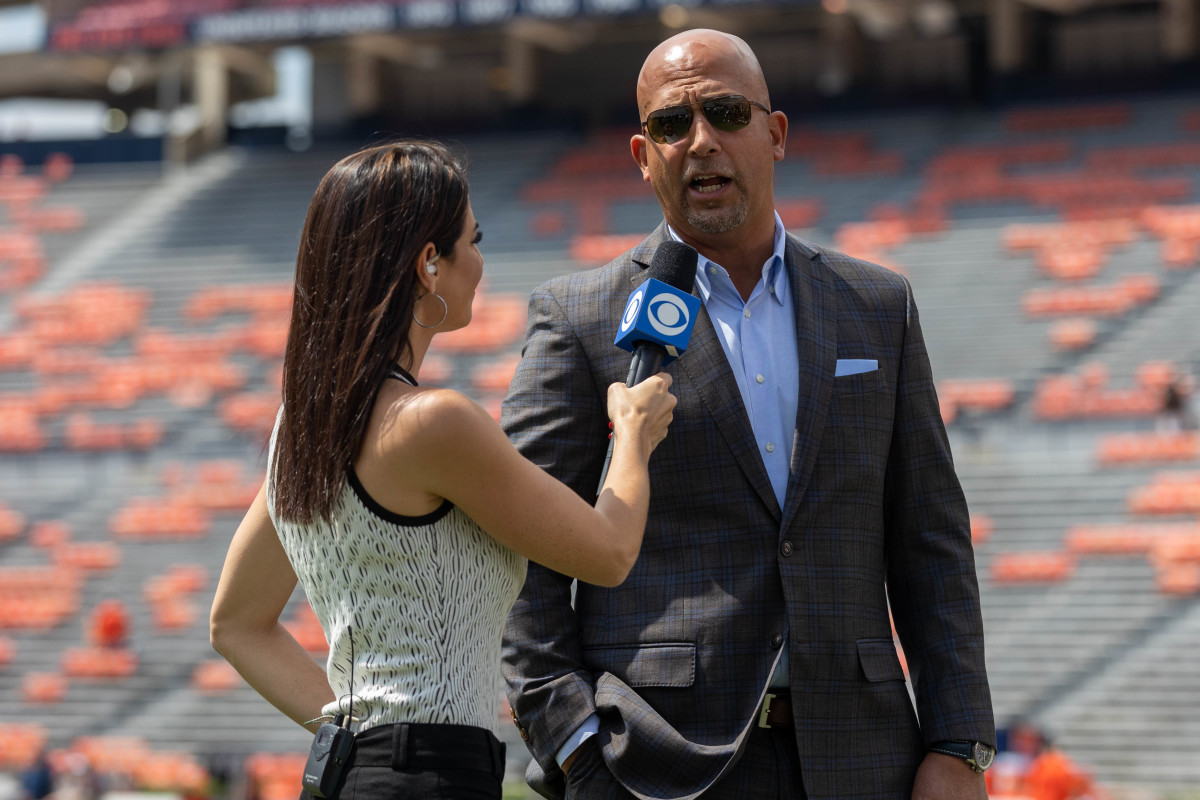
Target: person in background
402,509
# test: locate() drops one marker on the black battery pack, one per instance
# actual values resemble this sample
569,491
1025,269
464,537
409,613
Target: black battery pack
327,759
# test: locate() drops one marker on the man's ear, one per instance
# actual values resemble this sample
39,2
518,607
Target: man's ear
426,279
640,147
778,124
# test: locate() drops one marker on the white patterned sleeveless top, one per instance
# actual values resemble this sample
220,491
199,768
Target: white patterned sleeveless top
427,598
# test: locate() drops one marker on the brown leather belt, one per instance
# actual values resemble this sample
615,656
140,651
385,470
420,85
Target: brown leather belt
776,711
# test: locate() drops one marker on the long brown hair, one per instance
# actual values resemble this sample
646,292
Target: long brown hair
356,285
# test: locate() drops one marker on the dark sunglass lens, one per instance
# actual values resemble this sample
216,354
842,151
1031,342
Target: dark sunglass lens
669,125
728,113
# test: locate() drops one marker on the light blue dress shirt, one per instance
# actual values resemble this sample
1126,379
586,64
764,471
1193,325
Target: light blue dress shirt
759,339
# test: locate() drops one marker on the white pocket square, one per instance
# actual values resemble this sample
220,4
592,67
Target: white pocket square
854,366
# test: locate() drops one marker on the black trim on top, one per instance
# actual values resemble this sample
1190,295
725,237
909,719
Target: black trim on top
401,374
391,516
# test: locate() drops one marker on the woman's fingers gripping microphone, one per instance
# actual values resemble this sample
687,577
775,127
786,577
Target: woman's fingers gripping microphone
646,408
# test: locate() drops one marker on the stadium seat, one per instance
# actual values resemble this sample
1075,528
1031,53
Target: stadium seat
8,651
1072,334
1167,493
1014,568
592,250
216,676
1141,448
98,662
43,687
12,524
495,375
981,528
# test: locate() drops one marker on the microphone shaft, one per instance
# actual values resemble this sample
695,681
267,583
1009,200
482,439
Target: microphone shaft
647,361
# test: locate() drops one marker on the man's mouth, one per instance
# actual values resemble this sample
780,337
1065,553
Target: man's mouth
707,184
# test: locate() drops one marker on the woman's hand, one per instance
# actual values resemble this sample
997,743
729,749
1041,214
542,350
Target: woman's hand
644,410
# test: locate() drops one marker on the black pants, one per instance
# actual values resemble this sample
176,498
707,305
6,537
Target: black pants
439,762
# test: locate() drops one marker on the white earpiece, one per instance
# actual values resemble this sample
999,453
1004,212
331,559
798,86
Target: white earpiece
431,268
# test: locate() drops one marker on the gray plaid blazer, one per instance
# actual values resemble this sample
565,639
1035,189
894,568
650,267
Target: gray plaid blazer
676,660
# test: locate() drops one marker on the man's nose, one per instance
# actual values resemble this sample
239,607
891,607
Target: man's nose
704,137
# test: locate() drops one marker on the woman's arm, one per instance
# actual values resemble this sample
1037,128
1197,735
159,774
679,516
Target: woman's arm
244,626
445,444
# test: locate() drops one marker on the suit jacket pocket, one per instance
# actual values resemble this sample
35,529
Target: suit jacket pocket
879,660
859,383
665,664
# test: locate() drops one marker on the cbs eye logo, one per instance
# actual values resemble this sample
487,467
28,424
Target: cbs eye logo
667,314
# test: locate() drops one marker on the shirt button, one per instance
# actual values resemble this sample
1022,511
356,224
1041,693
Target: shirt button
772,290
770,447
747,313
777,641
759,378
712,270
786,549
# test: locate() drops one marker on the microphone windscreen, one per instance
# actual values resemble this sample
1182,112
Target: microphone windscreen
674,263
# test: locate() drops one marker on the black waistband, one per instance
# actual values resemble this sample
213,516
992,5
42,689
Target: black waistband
413,745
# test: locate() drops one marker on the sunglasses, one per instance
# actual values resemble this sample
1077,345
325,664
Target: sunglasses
729,113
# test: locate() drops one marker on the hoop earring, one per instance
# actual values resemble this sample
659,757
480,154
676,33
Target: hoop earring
445,311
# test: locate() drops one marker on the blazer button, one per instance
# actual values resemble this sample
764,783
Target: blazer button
777,641
524,735
786,549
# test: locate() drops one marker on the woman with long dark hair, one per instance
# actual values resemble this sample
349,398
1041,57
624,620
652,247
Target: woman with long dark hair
403,510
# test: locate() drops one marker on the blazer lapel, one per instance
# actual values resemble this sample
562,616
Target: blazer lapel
814,302
710,377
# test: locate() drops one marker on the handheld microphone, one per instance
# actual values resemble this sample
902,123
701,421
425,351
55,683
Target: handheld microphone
658,319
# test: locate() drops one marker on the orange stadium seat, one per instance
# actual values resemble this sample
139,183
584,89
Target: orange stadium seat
1167,493
799,212
58,167
215,677
1072,334
143,518
98,662
497,320
50,534
1179,579
12,524
88,556
1136,538
547,223
1151,156
981,528
43,687
1140,448
1008,568
22,743
305,626
495,375
274,777
251,412
38,598
980,395
8,651
602,249
1180,253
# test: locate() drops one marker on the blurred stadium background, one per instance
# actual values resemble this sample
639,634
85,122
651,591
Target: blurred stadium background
1031,165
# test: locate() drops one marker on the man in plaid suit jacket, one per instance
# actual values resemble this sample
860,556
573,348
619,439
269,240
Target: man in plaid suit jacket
742,585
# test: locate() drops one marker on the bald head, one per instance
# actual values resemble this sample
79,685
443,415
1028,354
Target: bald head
695,55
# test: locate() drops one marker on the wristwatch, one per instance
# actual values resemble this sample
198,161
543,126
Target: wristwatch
977,754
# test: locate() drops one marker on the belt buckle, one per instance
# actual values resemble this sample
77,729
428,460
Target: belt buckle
766,710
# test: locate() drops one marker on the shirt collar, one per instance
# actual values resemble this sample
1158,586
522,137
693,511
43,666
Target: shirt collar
774,275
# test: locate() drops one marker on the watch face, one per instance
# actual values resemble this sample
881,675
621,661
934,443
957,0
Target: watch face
982,755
